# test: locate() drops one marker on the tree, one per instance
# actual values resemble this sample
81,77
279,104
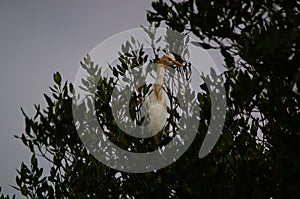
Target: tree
260,44
257,153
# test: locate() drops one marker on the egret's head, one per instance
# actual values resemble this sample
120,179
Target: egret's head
169,60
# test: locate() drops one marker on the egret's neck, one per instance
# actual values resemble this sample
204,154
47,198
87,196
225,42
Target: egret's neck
157,87
160,74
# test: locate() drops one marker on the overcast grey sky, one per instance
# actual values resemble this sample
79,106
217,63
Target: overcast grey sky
38,38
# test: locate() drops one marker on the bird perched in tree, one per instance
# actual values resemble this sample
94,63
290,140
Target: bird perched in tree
155,104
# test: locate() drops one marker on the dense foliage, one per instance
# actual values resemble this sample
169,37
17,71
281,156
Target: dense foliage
257,155
260,44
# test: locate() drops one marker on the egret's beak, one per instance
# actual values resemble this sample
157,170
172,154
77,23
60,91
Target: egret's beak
177,63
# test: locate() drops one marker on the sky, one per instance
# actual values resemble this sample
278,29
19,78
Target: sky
38,38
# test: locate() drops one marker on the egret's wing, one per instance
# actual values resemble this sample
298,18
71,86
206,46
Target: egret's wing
157,118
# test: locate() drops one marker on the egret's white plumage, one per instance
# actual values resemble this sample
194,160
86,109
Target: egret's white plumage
155,104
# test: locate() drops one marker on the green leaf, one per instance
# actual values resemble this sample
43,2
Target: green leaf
49,101
57,78
18,181
87,59
115,72
132,40
24,190
158,40
71,88
34,162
